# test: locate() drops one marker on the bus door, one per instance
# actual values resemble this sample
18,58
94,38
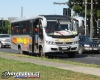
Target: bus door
31,31
36,35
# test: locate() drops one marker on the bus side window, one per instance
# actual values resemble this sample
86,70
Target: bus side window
27,27
30,27
24,27
24,31
30,30
16,28
20,28
12,28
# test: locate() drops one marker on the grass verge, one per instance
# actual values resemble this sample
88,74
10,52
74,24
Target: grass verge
54,60
46,73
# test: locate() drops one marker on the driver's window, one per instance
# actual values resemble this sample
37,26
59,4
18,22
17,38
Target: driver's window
40,32
51,27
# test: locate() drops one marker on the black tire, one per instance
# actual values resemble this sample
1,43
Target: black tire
41,52
80,51
71,55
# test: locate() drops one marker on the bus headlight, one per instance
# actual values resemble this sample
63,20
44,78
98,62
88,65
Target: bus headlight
50,42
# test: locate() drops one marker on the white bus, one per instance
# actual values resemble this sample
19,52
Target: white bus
45,34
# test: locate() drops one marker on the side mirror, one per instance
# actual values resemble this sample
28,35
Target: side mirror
43,23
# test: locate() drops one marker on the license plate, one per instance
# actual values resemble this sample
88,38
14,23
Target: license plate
64,48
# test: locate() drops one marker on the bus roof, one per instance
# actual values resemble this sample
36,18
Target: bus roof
41,16
24,19
55,16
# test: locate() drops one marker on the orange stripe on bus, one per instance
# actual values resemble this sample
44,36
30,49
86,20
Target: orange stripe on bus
23,40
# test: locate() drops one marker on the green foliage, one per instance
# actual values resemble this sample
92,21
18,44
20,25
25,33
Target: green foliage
98,13
78,7
6,28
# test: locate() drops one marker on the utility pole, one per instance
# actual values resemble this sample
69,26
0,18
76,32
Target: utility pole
85,15
22,11
91,26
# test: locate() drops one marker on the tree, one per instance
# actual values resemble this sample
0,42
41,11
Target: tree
78,7
6,28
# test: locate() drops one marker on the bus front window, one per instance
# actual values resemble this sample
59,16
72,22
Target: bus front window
58,28
51,26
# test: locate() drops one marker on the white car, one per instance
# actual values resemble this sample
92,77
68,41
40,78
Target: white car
4,40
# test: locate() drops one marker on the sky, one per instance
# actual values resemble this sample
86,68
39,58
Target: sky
12,8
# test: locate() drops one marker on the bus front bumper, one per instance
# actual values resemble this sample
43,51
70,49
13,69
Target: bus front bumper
67,48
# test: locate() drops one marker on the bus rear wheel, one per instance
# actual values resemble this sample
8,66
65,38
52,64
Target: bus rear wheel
20,50
71,55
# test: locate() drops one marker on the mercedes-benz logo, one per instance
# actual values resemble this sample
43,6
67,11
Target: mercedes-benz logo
64,43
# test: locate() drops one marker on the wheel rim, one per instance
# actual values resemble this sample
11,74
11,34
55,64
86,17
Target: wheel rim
20,51
41,51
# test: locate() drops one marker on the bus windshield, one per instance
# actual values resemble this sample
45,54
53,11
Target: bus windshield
59,28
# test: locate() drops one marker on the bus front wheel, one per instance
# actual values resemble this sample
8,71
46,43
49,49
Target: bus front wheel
41,52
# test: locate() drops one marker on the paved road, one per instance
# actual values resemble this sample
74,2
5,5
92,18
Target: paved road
90,58
8,50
